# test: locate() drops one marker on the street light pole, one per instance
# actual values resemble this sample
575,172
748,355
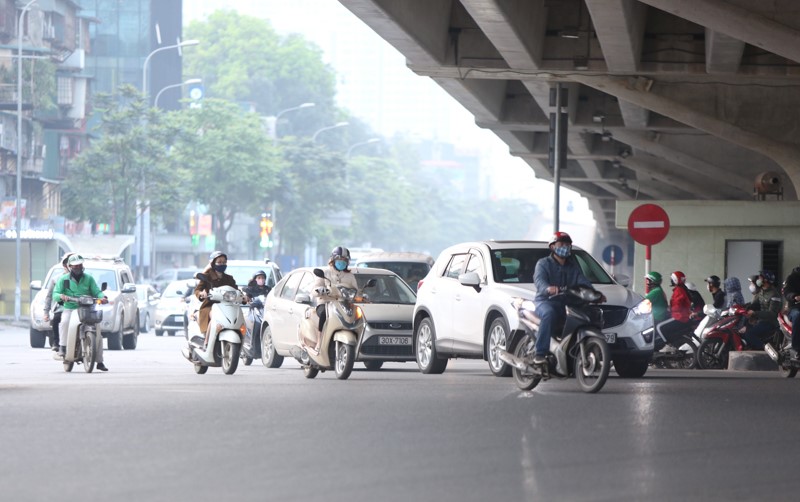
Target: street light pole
18,287
367,142
185,43
187,82
328,128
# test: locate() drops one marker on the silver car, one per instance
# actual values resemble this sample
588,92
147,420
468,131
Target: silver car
384,298
148,297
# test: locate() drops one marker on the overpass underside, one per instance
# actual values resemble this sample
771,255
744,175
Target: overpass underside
669,99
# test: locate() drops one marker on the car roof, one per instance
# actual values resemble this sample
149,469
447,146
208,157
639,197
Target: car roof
408,256
503,245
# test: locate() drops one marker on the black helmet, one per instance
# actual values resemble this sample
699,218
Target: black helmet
260,272
340,253
216,254
713,280
768,276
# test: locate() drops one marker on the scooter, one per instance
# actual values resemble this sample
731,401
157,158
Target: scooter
712,315
226,323
580,351
724,336
780,352
251,349
343,328
83,337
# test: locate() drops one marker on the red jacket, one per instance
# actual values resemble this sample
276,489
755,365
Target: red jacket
680,305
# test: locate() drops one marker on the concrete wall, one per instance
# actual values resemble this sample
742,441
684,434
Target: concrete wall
699,230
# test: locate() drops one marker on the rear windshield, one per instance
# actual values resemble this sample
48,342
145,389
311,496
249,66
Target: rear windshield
517,265
411,272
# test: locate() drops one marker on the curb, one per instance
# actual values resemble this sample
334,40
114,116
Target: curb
750,360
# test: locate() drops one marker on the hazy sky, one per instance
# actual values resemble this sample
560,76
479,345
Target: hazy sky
374,83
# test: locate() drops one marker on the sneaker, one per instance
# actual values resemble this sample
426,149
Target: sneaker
539,359
54,348
101,367
62,350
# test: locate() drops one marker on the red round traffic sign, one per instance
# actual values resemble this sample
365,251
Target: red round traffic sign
648,224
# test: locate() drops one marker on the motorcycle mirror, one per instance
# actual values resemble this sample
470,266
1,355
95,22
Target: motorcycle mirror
104,286
319,273
371,283
201,277
65,284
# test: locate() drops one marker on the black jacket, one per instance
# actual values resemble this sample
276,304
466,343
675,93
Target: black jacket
791,288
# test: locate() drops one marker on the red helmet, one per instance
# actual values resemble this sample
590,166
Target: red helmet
560,237
678,277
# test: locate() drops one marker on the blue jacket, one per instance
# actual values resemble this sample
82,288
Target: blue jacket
551,273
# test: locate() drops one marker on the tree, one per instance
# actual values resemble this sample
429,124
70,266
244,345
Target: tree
242,59
232,165
128,164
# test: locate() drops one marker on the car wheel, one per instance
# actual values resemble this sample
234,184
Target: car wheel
159,332
373,365
37,338
129,341
495,342
269,357
115,338
171,333
631,368
425,349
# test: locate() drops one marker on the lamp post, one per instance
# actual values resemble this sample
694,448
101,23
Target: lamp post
328,128
185,43
18,287
187,82
367,142
272,122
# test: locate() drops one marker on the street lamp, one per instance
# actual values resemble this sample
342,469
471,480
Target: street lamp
334,126
185,43
187,82
367,142
272,122
18,287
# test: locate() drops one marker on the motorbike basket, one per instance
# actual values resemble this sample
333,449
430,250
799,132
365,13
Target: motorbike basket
89,315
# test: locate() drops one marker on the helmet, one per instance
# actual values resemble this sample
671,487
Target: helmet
678,277
340,253
713,280
653,277
75,259
690,286
560,237
216,254
65,260
260,272
768,276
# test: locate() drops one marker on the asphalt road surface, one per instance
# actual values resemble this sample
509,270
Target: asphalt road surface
152,430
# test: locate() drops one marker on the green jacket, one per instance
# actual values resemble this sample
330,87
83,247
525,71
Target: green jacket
86,286
659,301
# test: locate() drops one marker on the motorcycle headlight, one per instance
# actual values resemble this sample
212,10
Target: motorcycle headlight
643,308
230,296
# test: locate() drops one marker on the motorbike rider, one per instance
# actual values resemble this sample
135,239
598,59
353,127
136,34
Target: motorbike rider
712,285
680,306
791,293
764,310
656,296
337,273
55,307
553,274
733,292
216,277
697,301
80,284
257,285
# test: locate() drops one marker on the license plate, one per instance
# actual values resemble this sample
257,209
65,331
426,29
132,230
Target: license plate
611,337
394,340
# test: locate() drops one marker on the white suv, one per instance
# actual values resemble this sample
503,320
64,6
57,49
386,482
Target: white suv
464,307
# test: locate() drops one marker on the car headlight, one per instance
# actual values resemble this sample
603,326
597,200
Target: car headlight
643,308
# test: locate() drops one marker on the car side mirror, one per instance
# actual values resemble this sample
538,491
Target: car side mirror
128,287
302,298
470,279
36,285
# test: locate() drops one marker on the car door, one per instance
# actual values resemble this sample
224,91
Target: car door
442,304
468,309
279,312
129,302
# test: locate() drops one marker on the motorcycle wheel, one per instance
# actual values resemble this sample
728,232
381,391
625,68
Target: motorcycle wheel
269,357
525,350
787,371
310,372
68,366
345,358
689,360
200,369
89,351
591,368
712,355
230,357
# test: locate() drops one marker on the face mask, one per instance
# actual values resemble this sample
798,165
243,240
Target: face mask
753,288
220,268
759,282
76,274
563,251
340,265
260,281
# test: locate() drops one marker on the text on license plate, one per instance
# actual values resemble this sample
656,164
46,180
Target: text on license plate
394,340
611,337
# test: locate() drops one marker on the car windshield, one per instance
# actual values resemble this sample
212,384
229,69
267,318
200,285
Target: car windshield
517,265
243,273
102,275
175,289
387,289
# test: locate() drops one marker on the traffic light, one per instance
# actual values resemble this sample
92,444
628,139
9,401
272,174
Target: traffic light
192,223
266,230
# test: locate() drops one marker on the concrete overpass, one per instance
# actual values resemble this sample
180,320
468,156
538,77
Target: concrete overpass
669,99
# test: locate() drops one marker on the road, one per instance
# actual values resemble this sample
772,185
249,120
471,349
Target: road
151,429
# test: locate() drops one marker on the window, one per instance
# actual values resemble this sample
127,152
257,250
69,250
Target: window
290,286
475,264
306,284
455,266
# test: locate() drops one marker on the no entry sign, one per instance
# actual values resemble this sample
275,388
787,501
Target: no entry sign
648,224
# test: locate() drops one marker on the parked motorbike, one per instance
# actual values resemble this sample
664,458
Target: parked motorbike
227,326
83,337
580,351
724,336
251,349
343,328
712,315
780,351
680,354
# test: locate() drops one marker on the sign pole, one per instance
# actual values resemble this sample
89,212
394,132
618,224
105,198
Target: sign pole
647,257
